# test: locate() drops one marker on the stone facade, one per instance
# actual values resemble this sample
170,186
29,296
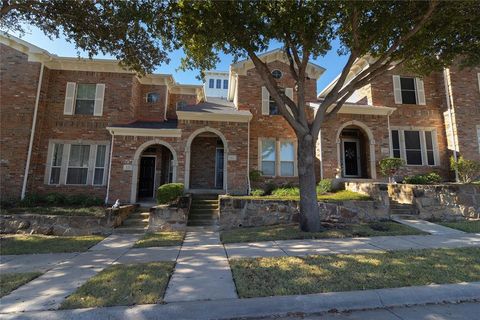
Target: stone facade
170,217
238,212
64,225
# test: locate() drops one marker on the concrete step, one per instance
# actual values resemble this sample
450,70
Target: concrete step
204,205
205,197
202,210
129,230
197,223
135,223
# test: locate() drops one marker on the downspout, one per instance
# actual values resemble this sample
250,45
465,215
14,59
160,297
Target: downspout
449,98
109,168
32,134
321,153
248,159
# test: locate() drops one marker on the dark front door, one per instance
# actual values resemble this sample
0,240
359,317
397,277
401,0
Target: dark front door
219,161
351,158
146,181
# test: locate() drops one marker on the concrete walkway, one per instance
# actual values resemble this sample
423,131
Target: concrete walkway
425,226
281,248
71,271
202,271
272,306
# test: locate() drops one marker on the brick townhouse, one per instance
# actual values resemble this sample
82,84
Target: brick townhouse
88,126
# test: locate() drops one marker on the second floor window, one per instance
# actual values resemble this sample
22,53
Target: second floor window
219,83
225,84
409,93
211,83
153,97
408,90
85,98
273,107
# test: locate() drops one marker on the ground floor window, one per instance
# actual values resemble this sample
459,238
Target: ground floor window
416,147
77,163
277,158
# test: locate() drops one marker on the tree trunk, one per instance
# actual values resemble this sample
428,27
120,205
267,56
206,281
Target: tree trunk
309,213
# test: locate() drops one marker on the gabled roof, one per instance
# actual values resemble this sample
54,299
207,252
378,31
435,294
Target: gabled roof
210,111
314,71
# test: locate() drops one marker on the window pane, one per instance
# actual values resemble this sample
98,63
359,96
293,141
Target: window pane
86,91
268,168
286,169
273,108
79,155
55,176
409,97
287,152
98,177
153,97
414,157
225,84
84,106
407,83
428,140
430,158
57,155
211,83
219,83
100,160
268,150
395,140
412,140
396,153
77,176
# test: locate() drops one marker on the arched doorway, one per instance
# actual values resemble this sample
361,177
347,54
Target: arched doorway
356,151
154,164
206,161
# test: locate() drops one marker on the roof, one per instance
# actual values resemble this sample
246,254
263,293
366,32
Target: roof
211,111
169,124
147,128
357,108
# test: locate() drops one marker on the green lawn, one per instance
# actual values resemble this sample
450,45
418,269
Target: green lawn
58,211
292,231
472,226
160,239
123,285
342,195
11,281
24,244
346,272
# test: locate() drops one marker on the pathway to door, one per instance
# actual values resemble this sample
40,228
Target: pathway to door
202,271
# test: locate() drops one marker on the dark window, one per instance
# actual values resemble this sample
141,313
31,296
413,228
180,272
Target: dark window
277,74
273,107
56,164
153,97
395,144
409,95
413,147
219,83
85,99
225,84
181,104
211,83
429,145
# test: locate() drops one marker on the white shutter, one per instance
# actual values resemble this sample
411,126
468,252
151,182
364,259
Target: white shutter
99,95
478,75
420,91
69,98
265,101
289,93
397,90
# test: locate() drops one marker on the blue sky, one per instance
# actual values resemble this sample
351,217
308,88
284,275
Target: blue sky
331,61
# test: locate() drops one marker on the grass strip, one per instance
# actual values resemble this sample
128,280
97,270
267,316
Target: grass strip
12,281
467,226
160,239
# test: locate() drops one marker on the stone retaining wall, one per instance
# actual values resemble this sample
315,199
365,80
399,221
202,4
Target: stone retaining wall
64,225
170,217
438,202
236,212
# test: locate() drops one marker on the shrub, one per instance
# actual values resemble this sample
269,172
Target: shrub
324,186
468,170
286,192
428,178
270,187
257,192
390,166
55,199
169,192
59,199
255,175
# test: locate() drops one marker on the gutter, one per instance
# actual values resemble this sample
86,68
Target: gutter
449,98
32,134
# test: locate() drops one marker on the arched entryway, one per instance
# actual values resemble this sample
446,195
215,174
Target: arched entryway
206,160
154,164
356,151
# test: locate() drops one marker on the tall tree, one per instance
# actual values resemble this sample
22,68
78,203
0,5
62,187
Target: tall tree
420,35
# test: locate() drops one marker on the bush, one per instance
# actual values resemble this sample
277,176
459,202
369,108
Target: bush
428,178
169,192
390,166
59,199
286,192
324,186
468,170
255,175
270,187
257,192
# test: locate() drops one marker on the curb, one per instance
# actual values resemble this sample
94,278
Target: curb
269,306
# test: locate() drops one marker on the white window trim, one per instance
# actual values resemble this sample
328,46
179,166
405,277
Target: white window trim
277,157
423,145
66,158
104,165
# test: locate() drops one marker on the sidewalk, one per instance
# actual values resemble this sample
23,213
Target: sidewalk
202,271
272,306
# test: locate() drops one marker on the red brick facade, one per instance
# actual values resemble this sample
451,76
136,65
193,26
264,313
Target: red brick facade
127,116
